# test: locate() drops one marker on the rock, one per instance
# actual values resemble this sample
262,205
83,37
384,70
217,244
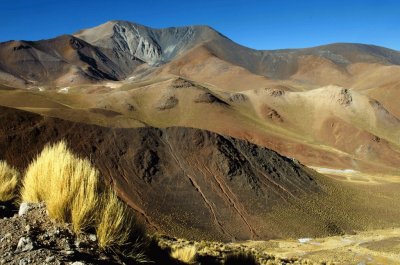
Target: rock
238,97
304,240
208,98
92,237
23,262
345,97
77,244
24,208
167,102
50,259
78,263
275,92
75,44
130,107
69,252
24,244
6,236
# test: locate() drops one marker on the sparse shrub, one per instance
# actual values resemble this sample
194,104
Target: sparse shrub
240,259
71,188
9,178
116,228
185,254
115,221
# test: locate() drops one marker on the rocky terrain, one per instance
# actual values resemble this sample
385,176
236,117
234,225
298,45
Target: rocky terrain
153,46
30,237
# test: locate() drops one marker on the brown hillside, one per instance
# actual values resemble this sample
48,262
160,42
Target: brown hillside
194,183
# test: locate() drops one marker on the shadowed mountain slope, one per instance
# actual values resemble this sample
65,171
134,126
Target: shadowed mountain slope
190,182
65,60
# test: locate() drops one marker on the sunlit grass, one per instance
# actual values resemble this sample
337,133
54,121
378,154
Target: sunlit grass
185,254
9,179
71,188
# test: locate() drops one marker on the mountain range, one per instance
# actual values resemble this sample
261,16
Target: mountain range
204,137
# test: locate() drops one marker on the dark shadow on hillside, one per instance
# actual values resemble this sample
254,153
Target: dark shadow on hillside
240,259
209,260
159,255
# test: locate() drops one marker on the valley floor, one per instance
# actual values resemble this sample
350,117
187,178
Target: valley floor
354,176
362,248
371,247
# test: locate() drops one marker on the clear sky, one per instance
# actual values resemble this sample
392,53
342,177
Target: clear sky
262,24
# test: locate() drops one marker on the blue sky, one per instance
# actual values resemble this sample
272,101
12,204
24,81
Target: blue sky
263,24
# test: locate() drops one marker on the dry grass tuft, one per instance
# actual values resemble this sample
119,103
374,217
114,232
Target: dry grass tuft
116,213
186,254
68,184
116,228
71,188
84,204
9,178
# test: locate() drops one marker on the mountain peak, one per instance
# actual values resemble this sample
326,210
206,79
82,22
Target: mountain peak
154,46
126,23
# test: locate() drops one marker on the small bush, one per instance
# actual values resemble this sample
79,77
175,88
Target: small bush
186,254
240,259
9,178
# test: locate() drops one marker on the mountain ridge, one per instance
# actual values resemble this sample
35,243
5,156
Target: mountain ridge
126,46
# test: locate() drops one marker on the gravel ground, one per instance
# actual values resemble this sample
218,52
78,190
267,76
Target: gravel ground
31,237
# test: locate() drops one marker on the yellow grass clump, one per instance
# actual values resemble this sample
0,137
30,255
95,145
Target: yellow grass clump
185,254
69,185
116,213
9,178
116,229
71,188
